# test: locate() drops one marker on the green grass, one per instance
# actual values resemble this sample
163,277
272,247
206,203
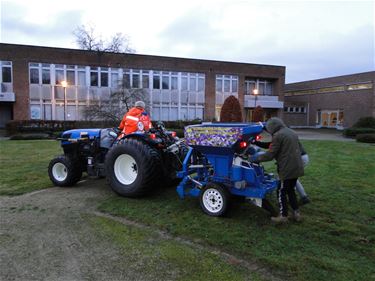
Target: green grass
23,165
160,258
336,240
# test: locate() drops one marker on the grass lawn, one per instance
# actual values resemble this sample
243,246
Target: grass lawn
336,240
145,251
23,165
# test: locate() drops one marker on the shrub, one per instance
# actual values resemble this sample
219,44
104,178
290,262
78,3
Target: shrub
365,122
30,137
367,138
352,132
231,110
258,114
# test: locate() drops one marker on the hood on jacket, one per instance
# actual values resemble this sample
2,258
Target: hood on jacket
274,124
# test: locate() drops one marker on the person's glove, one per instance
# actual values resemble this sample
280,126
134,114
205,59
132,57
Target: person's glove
254,158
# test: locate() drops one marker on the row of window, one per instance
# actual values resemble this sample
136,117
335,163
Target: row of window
227,83
114,77
350,87
59,111
295,109
264,87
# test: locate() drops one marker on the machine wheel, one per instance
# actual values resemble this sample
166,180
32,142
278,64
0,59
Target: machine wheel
64,171
214,200
132,168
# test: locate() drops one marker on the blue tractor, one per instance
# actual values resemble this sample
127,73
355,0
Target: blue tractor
133,164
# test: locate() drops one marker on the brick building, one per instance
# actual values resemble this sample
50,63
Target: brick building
336,102
177,88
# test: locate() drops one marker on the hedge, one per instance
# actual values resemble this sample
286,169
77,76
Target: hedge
367,138
352,132
365,122
54,127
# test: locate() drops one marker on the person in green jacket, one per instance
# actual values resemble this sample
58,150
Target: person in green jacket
286,149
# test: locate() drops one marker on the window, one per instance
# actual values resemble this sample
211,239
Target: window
156,80
145,80
184,83
34,76
59,76
193,82
201,84
219,84
174,83
165,81
70,77
269,89
136,81
46,76
81,78
114,80
226,85
249,87
7,74
361,86
126,80
104,79
234,86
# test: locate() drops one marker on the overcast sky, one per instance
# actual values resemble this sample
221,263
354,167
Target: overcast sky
313,39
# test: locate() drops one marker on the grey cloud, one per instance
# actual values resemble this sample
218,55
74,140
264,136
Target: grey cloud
57,32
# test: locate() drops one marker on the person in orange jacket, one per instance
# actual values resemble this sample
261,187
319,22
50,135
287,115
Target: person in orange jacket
136,119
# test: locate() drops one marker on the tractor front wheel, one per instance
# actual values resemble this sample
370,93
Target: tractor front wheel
214,200
64,171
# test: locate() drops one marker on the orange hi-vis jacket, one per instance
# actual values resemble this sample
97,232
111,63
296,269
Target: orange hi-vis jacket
129,123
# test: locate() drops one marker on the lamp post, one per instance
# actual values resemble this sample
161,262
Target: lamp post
64,84
255,93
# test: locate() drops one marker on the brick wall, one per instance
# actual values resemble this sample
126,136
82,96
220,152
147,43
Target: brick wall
21,55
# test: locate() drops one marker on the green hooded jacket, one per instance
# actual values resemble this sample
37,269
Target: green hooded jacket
285,148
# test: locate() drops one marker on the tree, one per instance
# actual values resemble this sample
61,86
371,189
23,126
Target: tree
87,39
231,110
119,102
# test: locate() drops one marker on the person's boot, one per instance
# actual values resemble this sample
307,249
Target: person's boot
279,219
304,200
296,216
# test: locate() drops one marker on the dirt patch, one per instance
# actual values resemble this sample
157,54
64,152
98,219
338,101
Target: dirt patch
44,236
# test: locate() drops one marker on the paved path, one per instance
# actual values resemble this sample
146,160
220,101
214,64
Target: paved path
321,134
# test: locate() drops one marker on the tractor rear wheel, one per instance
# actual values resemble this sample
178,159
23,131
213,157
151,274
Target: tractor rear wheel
132,168
64,171
214,200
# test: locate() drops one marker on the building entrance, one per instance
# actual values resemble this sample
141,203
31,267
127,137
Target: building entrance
5,114
332,118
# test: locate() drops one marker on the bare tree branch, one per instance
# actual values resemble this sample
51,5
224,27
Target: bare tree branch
87,39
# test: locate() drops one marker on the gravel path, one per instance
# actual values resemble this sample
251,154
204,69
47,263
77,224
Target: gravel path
45,235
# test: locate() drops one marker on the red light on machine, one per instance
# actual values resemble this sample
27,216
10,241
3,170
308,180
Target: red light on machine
243,144
174,134
152,136
258,138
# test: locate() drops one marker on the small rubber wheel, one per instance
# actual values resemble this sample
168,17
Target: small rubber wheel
63,171
214,200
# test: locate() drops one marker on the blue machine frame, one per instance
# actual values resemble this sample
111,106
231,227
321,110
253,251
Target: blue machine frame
219,163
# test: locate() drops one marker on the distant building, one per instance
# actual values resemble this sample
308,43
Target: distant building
335,102
178,88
